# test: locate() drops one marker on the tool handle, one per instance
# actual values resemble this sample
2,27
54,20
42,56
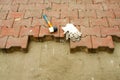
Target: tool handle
46,19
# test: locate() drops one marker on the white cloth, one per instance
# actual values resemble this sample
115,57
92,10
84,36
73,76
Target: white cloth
71,32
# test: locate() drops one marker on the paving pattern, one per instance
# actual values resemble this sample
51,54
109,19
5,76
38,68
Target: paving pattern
98,20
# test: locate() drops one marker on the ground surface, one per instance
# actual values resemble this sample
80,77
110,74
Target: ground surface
98,20
53,61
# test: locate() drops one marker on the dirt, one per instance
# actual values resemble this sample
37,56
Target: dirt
52,60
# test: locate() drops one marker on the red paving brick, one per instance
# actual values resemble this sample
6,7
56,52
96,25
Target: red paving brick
98,20
8,23
98,42
51,12
3,41
33,14
30,31
112,31
87,14
114,22
21,42
23,22
38,22
84,42
6,31
80,22
14,15
104,14
91,31
69,14
3,15
59,22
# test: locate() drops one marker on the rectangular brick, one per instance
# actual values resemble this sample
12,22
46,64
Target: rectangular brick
59,22
117,13
56,6
99,22
7,23
81,7
19,1
35,1
100,1
91,31
69,14
39,22
94,7
114,22
5,2
104,14
3,41
52,13
7,31
30,31
80,22
109,6
87,1
24,7
83,43
33,14
14,15
87,14
21,42
10,7
43,6
23,22
3,15
98,42
111,31
114,1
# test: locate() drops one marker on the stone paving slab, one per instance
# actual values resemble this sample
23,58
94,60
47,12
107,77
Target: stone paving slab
96,19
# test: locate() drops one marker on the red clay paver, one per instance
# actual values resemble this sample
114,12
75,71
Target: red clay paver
94,7
7,31
3,41
99,22
84,42
91,31
112,31
81,7
8,23
51,12
87,14
80,22
3,15
23,22
104,14
57,6
9,7
14,15
33,14
21,42
69,14
98,42
30,31
114,22
59,22
39,22
117,13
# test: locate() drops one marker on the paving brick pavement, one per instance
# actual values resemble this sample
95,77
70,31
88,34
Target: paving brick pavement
98,20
